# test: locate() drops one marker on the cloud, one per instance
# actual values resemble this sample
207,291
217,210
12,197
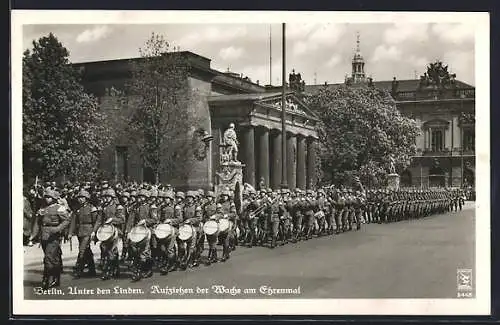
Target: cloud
315,37
461,63
334,60
231,53
386,53
406,32
299,31
419,62
213,35
454,33
93,34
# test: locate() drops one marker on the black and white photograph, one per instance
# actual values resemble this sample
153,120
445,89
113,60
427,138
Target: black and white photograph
250,163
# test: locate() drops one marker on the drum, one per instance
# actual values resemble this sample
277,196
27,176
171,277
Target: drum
224,225
164,230
106,232
185,232
211,227
319,214
138,234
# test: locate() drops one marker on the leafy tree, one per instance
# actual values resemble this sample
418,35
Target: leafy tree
160,122
361,128
63,130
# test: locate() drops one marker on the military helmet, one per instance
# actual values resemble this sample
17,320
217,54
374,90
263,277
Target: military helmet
51,193
125,194
143,192
94,209
119,207
133,193
84,193
181,195
309,192
191,194
169,195
226,193
153,193
219,205
153,206
210,194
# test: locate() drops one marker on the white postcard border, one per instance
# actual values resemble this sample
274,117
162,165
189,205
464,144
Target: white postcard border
478,306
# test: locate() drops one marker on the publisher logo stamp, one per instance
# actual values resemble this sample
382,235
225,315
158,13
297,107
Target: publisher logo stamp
464,283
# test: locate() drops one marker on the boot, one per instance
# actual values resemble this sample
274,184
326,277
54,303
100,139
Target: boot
214,255
147,267
56,278
273,242
172,263
78,270
116,268
45,280
136,276
105,270
91,268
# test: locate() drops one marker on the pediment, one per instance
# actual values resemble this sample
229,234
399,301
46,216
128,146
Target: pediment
292,104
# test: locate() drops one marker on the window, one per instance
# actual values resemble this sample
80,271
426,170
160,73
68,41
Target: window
121,163
437,140
468,141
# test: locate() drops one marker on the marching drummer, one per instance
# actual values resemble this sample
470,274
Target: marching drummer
152,220
190,218
141,254
82,224
210,208
126,203
229,237
213,234
109,249
167,245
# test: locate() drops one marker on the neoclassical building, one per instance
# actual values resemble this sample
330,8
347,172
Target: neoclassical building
217,99
446,147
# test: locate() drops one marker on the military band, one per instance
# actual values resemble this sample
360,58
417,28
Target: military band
152,228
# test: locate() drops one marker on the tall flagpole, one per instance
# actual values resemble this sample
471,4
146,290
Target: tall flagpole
283,116
270,56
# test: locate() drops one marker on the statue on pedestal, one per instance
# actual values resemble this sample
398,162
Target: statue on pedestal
231,144
230,171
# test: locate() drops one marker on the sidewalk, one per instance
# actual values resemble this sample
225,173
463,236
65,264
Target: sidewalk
34,255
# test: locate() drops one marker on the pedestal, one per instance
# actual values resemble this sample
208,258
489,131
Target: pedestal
229,174
393,181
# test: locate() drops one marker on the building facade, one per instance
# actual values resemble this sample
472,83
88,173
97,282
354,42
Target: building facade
216,99
445,114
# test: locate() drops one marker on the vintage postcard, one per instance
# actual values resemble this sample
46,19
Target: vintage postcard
211,162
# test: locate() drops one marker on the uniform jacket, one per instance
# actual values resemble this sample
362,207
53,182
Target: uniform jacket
83,222
51,220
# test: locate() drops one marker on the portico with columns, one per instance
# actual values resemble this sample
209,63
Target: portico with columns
257,118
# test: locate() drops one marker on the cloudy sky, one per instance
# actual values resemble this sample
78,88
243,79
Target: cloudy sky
320,52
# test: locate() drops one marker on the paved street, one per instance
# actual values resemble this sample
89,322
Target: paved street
408,259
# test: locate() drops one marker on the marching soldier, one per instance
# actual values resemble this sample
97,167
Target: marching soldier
111,214
142,262
167,245
50,222
193,217
83,224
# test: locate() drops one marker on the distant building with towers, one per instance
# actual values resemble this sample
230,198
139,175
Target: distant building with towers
446,115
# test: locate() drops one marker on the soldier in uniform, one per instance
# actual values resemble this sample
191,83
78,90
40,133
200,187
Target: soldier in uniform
323,210
285,229
210,209
272,215
297,216
50,223
142,262
83,225
109,249
308,206
190,216
229,237
167,245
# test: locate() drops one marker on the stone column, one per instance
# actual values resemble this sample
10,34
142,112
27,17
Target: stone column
311,162
276,159
263,140
301,162
291,160
249,155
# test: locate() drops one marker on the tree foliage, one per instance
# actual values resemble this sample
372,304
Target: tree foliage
160,121
361,128
63,130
